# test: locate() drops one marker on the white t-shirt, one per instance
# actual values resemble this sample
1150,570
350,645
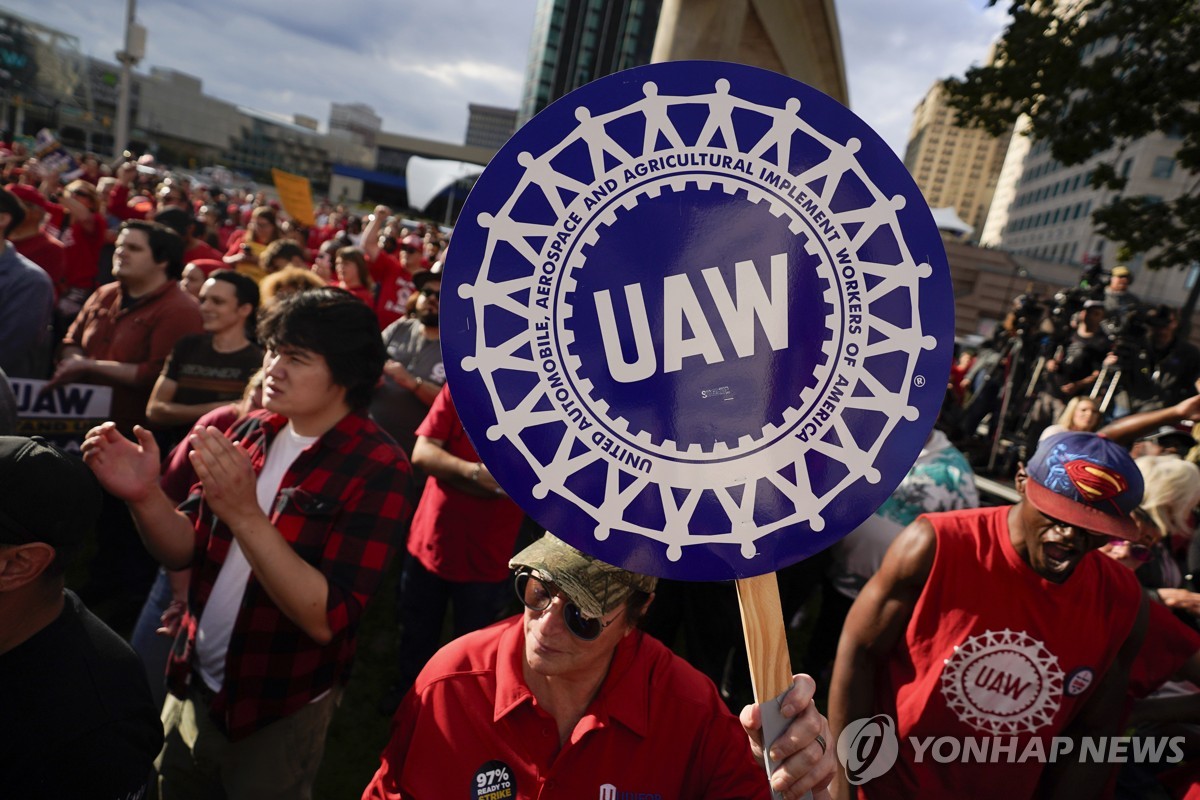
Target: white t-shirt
216,624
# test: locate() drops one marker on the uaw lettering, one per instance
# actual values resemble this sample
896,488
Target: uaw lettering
699,310
701,315
682,312
1003,682
62,414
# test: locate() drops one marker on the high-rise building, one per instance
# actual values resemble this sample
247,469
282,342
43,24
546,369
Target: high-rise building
576,41
1048,208
953,166
489,126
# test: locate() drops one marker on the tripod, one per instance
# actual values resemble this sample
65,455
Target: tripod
1015,378
1110,391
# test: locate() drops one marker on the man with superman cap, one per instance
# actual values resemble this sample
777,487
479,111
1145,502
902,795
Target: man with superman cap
997,632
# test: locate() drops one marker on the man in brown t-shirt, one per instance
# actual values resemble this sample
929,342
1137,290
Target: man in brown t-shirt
126,329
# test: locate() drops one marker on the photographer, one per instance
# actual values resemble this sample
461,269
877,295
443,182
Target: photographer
1167,367
1077,363
1117,296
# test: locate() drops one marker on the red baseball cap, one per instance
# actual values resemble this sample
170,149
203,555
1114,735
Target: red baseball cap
30,195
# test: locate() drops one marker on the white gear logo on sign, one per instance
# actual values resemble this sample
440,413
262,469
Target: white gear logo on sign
1003,682
537,292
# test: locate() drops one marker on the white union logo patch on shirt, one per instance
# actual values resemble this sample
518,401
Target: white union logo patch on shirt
1003,682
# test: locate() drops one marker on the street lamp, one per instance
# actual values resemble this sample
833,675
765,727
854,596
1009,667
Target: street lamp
135,49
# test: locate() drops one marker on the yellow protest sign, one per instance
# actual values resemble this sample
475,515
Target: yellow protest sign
295,193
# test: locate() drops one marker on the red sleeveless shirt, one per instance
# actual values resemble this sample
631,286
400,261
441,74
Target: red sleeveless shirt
995,656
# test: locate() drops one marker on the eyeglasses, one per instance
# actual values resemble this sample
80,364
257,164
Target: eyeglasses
1138,552
537,596
434,293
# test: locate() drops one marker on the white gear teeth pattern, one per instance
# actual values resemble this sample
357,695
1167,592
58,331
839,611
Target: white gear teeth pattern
1038,712
507,226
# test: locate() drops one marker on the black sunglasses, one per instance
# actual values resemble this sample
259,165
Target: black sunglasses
538,595
431,293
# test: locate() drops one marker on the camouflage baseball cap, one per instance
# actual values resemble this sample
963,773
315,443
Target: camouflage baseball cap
596,587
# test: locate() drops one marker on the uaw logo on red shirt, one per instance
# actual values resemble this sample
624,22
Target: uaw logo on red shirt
697,319
1003,683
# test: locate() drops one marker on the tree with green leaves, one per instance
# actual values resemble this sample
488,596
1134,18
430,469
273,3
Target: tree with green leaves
1092,76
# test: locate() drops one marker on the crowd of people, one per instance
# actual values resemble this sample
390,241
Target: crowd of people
281,432
1093,347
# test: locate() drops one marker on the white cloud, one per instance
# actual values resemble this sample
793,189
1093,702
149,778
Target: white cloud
420,63
895,51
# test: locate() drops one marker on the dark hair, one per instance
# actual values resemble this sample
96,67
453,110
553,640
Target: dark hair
244,286
280,248
635,607
267,213
165,244
356,256
176,219
245,289
335,325
9,204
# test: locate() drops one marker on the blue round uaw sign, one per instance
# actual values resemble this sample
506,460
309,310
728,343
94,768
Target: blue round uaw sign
697,320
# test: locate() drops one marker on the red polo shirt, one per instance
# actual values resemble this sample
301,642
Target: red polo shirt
471,728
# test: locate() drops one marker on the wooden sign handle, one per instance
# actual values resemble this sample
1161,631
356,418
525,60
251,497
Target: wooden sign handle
767,651
766,636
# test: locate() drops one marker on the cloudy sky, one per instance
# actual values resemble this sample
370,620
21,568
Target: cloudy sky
419,63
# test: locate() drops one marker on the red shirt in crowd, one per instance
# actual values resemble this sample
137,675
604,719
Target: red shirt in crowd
118,204
395,287
656,729
996,652
458,536
1168,645
49,254
201,251
361,292
83,246
143,333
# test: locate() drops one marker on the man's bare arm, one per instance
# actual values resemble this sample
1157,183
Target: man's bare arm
875,623
471,477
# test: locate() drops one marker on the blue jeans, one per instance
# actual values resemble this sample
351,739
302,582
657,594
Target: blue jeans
151,648
423,600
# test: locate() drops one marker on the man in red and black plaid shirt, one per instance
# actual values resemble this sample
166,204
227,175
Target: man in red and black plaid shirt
298,512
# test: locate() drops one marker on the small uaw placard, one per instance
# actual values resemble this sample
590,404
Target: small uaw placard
697,320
